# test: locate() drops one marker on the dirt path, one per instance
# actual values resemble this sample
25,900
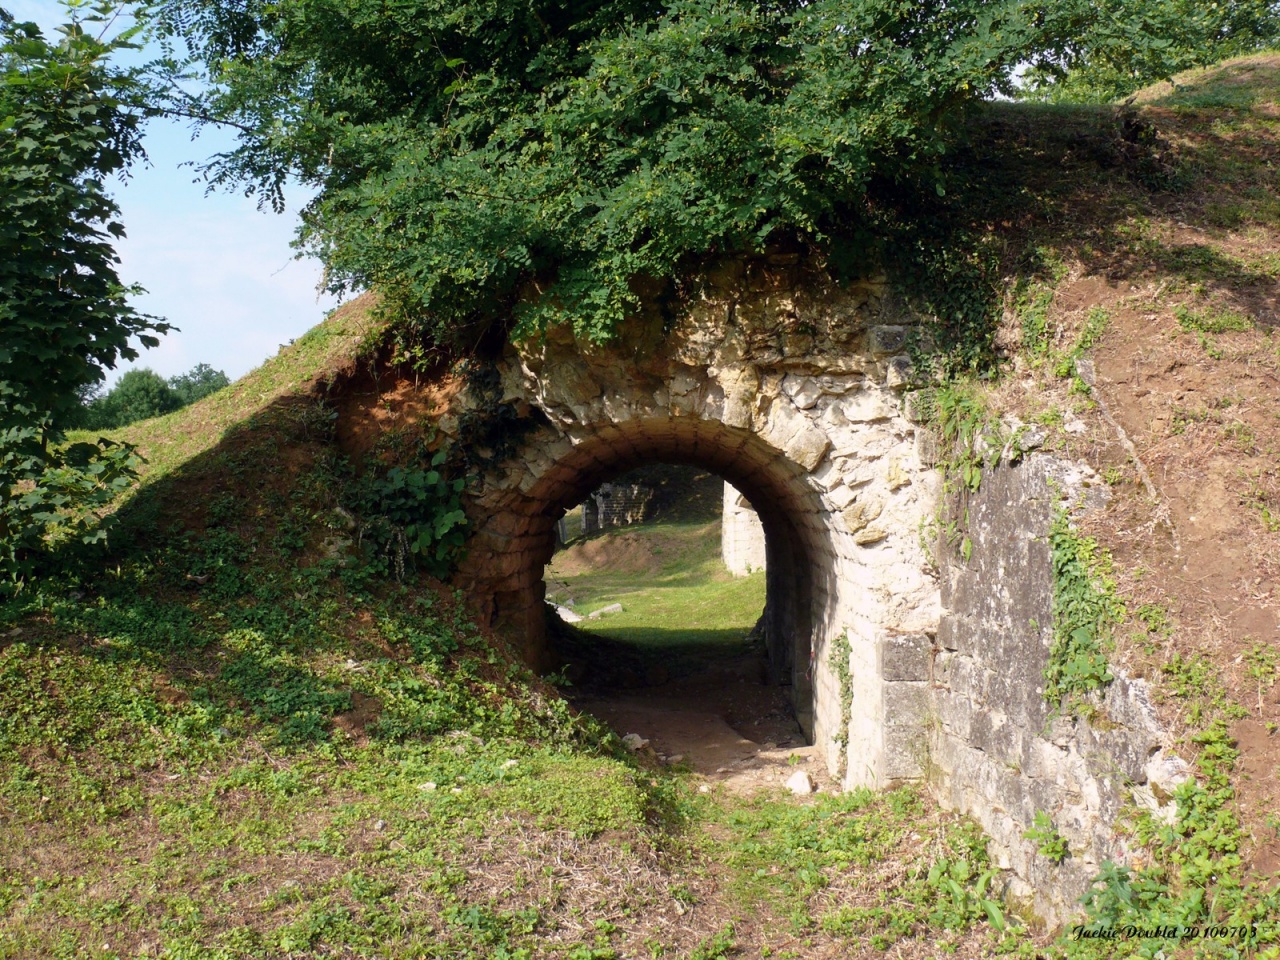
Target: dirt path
721,721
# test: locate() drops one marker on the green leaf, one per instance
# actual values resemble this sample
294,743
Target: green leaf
995,915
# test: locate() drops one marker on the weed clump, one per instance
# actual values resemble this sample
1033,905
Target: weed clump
1085,607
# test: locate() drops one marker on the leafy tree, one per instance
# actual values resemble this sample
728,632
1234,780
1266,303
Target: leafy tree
491,159
139,395
197,383
142,394
1123,45
68,121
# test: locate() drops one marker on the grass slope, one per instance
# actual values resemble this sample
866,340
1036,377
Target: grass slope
302,368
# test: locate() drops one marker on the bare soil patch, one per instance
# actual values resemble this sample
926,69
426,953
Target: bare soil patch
1207,431
722,722
371,406
626,553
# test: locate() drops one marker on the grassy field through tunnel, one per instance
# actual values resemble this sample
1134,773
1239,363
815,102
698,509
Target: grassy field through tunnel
669,579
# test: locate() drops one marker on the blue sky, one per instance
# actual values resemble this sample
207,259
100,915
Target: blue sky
213,265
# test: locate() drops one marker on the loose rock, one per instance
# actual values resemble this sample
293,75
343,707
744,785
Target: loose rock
800,783
567,615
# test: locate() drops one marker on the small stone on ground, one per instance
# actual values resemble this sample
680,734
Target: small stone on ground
800,783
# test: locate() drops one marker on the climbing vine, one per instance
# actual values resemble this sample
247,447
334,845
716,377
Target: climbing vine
840,654
407,502
969,435
1085,607
951,276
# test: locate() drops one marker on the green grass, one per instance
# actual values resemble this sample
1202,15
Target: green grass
1212,320
185,768
318,355
176,780
1236,84
222,744
823,868
688,598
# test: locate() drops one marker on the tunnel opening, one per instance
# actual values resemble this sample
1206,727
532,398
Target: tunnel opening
656,634
639,566
520,540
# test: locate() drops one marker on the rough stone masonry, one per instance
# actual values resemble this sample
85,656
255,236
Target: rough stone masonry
795,391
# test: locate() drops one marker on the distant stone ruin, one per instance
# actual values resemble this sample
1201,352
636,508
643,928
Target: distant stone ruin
742,545
615,505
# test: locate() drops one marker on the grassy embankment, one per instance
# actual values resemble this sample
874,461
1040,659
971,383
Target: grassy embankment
240,736
670,580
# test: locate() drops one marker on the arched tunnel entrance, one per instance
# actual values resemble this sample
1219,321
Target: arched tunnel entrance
797,545
661,639
795,396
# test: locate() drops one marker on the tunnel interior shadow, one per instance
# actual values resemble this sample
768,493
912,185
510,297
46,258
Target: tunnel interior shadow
634,659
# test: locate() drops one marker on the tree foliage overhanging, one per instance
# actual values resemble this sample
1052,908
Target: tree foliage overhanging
69,120
490,158
525,162
1125,45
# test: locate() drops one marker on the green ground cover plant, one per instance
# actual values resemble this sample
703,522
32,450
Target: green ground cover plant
1049,842
208,728
1193,878
290,763
1085,609
837,849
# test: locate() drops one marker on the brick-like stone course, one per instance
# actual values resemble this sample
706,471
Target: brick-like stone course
742,544
616,505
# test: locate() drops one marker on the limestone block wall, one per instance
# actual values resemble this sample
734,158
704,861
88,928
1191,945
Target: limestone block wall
790,388
619,504
999,752
742,546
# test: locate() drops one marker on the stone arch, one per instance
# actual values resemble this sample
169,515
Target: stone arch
791,388
799,552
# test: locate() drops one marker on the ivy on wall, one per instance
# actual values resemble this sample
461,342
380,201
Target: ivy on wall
1085,608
